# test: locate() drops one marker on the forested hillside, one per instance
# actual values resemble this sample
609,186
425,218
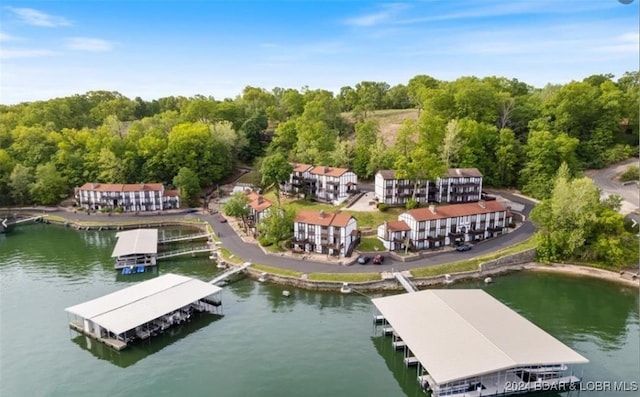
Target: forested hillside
515,134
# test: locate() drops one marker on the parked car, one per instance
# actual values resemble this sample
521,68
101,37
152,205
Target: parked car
222,219
463,247
378,259
363,259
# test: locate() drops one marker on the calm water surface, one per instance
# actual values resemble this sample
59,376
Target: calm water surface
310,344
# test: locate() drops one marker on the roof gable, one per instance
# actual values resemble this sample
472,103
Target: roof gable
323,218
455,210
329,171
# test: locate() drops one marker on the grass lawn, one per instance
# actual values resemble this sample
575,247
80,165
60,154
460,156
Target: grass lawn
366,220
370,244
375,218
472,264
229,257
276,248
250,177
447,268
345,277
277,271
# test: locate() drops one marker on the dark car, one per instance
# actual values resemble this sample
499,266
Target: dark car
463,247
222,219
363,259
378,259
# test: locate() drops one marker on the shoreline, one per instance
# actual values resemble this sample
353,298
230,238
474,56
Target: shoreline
585,271
620,277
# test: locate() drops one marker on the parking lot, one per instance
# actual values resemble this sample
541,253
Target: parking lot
364,204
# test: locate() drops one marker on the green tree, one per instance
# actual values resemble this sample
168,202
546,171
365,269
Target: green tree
366,136
275,170
418,88
507,154
111,168
6,166
451,143
343,155
238,207
49,186
252,131
371,95
544,153
200,109
397,97
574,224
277,226
20,182
194,146
189,185
285,137
348,99
381,157
479,142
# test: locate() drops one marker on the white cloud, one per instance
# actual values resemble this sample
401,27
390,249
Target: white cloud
34,17
89,44
627,43
4,37
385,15
16,53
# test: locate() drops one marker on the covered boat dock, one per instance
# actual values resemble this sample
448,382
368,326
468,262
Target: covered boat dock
467,343
135,248
145,309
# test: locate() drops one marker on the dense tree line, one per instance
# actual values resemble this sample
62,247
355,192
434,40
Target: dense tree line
515,134
574,224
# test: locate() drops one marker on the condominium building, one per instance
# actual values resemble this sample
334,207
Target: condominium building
128,197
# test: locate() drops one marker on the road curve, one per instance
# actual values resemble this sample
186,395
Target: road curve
253,253
605,179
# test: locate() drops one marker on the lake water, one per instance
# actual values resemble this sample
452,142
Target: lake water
309,344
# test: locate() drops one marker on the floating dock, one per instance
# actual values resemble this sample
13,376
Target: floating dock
137,249
467,343
144,310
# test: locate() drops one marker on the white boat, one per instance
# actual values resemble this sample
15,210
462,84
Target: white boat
345,289
286,293
263,277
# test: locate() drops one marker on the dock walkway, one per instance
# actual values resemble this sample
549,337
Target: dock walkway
190,237
185,251
404,281
230,272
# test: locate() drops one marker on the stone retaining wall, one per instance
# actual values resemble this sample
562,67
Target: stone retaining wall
142,225
507,263
508,260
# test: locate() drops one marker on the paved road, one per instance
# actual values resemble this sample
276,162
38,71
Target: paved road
253,253
606,180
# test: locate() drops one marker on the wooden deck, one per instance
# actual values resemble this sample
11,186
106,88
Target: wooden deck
113,343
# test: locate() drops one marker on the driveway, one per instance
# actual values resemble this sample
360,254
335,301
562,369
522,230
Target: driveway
606,180
253,253
364,203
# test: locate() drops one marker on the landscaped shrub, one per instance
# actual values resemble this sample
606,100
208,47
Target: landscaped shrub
382,207
411,204
632,173
119,210
265,242
618,153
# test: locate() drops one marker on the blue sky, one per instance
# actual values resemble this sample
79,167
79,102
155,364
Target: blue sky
160,48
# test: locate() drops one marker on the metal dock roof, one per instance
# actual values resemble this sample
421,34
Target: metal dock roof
138,241
128,308
457,334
